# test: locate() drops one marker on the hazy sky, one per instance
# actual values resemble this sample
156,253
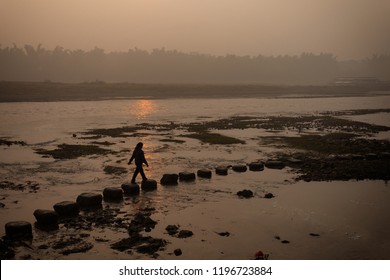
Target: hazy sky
346,28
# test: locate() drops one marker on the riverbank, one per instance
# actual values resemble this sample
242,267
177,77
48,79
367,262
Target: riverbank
51,91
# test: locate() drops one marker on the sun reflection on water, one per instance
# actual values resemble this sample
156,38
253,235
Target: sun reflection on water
143,108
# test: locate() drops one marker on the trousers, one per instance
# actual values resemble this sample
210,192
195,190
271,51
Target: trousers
138,169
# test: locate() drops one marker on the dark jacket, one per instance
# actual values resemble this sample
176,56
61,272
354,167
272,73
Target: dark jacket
139,157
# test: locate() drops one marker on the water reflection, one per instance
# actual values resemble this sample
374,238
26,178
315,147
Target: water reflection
143,108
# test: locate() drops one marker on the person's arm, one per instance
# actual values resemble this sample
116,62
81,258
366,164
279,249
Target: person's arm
144,160
131,159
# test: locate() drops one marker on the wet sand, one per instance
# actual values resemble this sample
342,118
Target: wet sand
304,220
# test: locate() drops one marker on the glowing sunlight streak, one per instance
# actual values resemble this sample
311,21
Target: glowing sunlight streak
143,108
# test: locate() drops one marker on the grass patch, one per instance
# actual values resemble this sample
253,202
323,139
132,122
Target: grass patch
65,151
214,138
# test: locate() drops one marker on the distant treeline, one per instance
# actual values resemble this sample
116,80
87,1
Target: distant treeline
31,63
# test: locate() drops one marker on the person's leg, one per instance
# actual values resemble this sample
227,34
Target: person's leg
136,171
141,170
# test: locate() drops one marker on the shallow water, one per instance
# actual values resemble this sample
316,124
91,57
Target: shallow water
348,215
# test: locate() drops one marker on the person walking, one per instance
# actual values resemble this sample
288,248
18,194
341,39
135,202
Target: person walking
139,157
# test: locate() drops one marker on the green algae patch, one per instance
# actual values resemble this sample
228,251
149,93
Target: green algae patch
66,151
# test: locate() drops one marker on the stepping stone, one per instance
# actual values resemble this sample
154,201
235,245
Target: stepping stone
172,229
221,170
269,195
149,185
89,200
113,194
169,179
185,233
186,176
275,164
261,256
240,168
204,173
46,219
256,166
46,216
178,252
130,189
18,230
66,208
245,193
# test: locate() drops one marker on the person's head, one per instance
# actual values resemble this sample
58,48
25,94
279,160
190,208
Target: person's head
139,145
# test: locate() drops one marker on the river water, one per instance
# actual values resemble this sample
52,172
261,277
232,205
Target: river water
352,213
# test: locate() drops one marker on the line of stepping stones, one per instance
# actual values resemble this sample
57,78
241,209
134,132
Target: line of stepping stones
48,219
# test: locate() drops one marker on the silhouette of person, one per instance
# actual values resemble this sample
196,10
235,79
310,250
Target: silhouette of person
139,157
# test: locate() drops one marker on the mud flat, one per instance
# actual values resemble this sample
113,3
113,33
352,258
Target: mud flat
321,191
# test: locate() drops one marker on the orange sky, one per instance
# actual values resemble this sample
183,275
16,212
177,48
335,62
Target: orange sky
346,28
